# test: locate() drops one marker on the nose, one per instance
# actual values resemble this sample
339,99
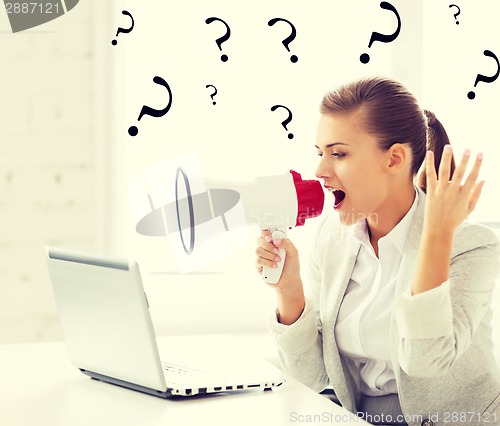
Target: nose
322,170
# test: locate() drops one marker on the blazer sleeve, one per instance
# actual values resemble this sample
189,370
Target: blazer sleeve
438,326
300,345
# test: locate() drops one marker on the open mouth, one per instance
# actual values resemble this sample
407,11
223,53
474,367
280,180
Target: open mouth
339,197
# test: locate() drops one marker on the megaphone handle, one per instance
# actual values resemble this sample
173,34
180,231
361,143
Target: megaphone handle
273,275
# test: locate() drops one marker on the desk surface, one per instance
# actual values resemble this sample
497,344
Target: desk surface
39,386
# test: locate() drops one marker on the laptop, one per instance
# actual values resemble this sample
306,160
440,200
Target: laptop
109,333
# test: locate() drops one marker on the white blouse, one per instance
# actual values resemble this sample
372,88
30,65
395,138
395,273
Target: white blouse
362,327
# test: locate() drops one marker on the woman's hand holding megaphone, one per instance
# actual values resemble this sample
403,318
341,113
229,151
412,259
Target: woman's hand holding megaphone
288,288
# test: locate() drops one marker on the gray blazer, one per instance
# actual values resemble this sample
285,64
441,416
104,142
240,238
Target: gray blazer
444,366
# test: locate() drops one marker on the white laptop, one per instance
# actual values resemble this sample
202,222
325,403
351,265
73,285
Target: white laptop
109,334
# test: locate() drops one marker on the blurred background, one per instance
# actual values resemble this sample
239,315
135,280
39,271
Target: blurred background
68,97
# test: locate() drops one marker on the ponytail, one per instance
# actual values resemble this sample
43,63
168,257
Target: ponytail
436,141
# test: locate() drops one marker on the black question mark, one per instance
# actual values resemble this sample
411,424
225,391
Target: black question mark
288,119
289,39
365,58
471,95
213,94
222,39
456,14
124,30
132,131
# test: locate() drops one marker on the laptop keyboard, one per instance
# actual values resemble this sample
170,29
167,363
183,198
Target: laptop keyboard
175,374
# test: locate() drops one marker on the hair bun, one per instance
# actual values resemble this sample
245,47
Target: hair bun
431,118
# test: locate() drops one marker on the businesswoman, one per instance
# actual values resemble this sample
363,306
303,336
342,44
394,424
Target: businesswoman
393,309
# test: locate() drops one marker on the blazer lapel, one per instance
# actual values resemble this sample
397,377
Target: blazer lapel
410,251
334,287
405,276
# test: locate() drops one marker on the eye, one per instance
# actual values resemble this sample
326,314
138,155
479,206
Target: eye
338,154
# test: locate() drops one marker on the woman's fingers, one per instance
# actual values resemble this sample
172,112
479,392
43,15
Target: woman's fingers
265,241
267,253
476,192
266,235
470,182
460,170
266,257
445,164
430,171
449,202
458,174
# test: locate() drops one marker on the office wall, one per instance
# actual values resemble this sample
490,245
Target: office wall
47,164
56,166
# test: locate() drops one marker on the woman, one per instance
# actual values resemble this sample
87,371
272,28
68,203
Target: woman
394,310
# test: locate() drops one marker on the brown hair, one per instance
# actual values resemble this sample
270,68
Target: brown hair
391,113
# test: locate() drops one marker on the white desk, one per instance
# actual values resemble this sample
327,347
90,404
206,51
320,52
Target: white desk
40,387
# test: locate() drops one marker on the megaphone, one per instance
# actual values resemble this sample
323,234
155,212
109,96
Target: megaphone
277,203
201,210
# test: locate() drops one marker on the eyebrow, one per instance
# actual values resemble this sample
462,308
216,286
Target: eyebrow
332,144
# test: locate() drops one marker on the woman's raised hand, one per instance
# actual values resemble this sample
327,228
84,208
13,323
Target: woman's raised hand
449,202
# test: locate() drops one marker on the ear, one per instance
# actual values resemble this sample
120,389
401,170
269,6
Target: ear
398,156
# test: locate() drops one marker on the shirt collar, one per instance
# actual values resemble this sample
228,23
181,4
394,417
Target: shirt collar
397,236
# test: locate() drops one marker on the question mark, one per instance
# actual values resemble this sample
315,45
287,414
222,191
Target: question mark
213,94
285,122
365,58
132,131
471,95
124,30
287,40
456,14
222,39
